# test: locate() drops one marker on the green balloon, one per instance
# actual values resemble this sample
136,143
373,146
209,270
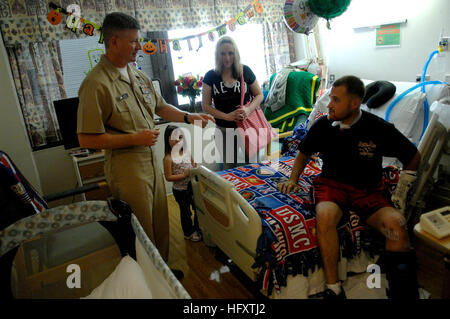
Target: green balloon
328,9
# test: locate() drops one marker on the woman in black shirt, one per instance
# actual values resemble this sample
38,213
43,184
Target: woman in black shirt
222,97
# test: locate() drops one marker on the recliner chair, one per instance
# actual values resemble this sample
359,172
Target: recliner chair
55,237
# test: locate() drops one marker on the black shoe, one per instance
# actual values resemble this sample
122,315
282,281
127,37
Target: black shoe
177,273
331,295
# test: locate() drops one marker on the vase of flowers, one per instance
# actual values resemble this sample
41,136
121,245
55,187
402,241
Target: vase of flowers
190,86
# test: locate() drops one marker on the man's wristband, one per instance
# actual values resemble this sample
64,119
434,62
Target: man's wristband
186,118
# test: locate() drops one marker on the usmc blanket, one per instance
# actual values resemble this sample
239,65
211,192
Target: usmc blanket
288,243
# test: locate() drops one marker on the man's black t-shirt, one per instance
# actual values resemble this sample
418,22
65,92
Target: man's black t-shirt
354,156
225,98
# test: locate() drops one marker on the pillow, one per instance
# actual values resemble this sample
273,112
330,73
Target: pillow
127,281
320,108
378,93
407,115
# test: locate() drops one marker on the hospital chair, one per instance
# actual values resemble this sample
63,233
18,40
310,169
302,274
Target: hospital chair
37,243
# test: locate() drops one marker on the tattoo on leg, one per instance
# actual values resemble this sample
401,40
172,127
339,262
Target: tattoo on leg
390,234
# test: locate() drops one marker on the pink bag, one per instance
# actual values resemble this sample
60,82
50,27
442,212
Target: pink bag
255,131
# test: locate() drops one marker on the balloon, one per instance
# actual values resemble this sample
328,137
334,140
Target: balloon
328,9
298,16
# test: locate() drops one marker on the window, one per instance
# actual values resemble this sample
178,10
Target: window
79,56
198,61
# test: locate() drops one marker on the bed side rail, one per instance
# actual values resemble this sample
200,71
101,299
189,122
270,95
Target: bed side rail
431,148
232,223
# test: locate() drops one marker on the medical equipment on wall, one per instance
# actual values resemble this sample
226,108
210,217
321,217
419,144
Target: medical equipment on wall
442,44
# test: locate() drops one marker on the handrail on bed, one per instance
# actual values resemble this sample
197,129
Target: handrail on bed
230,221
223,187
433,142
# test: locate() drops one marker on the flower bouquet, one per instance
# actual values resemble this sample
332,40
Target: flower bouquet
189,86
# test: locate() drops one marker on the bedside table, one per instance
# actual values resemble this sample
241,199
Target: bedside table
433,263
90,169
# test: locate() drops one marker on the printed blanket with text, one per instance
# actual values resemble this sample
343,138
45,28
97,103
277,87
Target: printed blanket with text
288,243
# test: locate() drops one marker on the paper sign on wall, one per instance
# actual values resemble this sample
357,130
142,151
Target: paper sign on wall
388,35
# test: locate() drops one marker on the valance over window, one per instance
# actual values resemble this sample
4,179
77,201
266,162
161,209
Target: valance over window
26,20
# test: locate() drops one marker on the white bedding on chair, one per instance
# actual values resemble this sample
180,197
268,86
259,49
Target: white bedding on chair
148,277
127,281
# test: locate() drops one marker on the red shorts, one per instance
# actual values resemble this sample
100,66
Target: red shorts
363,202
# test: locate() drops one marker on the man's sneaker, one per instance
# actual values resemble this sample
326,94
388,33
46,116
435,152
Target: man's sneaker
331,295
177,273
194,237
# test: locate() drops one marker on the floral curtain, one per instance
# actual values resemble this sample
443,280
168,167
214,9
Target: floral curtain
278,46
38,78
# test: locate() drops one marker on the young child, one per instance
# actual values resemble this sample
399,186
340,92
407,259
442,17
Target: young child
177,165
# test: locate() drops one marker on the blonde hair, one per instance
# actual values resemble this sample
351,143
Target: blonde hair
236,67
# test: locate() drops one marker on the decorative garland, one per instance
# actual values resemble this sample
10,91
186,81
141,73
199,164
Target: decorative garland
76,23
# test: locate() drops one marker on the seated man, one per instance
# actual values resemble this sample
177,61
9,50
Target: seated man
352,143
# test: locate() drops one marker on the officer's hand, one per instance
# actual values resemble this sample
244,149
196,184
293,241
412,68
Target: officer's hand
200,119
287,187
147,137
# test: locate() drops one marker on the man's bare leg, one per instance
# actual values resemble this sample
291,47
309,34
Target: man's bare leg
328,215
391,223
400,259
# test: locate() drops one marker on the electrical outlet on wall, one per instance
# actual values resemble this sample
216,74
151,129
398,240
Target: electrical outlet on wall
331,78
443,43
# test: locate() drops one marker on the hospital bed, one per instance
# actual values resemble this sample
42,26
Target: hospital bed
87,249
232,210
